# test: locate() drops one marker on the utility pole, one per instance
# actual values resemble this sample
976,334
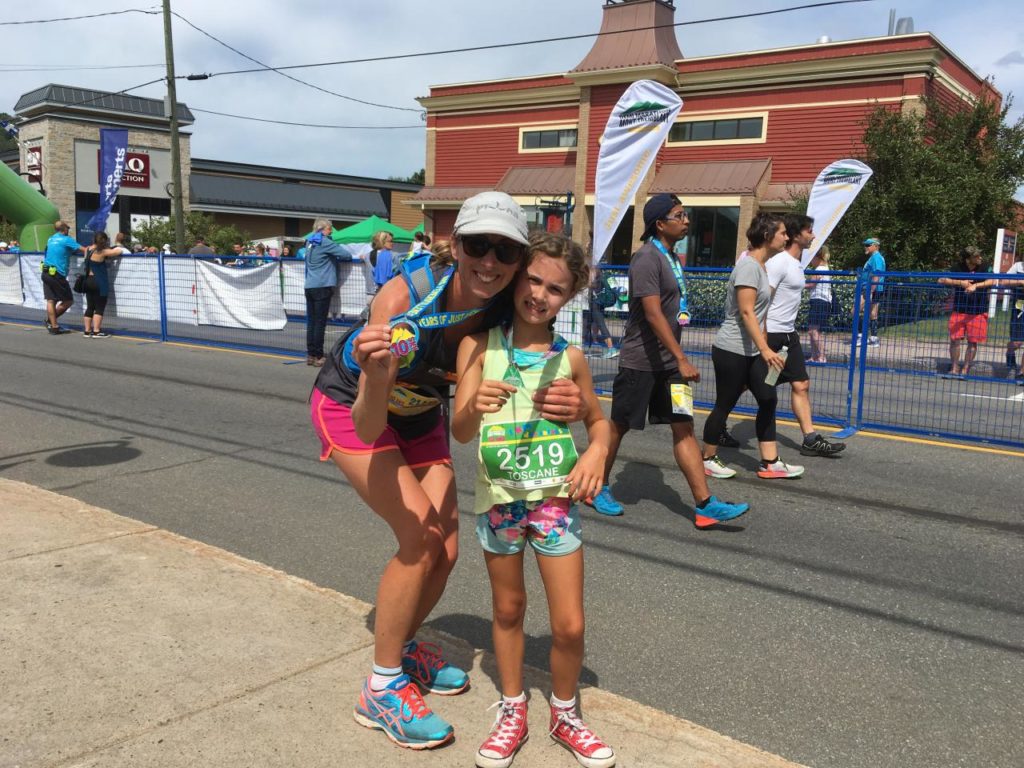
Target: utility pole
171,106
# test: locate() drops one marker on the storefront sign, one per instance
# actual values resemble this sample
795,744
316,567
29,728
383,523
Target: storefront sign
136,170
34,164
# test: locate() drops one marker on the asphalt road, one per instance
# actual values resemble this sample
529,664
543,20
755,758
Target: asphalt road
869,614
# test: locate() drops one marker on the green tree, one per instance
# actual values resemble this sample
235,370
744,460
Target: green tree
943,179
197,224
417,177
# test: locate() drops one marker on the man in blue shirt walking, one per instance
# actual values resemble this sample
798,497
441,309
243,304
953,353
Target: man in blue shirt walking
56,290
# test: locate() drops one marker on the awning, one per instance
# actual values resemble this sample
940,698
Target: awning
783,194
723,177
542,180
450,195
278,198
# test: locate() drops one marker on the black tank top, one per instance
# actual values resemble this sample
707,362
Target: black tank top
417,398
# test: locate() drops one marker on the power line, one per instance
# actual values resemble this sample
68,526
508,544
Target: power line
290,77
75,18
308,125
69,67
565,38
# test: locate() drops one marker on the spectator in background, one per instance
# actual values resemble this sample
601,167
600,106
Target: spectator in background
120,240
969,319
3,247
286,251
873,266
820,305
97,285
167,249
1016,322
426,242
201,248
322,258
382,258
602,295
56,290
417,244
261,254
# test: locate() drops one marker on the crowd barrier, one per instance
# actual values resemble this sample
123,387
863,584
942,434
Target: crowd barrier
901,384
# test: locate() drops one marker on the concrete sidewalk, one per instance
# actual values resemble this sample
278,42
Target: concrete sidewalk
124,645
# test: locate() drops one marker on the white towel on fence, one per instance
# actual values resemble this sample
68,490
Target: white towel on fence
231,297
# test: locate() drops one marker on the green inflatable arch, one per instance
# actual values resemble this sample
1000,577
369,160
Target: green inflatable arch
23,206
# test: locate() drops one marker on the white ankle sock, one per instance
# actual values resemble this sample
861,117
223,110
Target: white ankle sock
514,699
557,703
383,676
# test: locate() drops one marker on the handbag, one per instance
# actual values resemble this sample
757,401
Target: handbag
81,279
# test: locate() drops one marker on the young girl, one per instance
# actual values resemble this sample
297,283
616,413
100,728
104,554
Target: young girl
527,480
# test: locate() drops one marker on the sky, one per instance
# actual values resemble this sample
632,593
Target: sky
982,34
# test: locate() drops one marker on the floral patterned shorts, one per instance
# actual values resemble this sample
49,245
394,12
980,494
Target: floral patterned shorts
552,526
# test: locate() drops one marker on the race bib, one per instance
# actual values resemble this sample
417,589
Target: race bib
682,399
527,455
404,401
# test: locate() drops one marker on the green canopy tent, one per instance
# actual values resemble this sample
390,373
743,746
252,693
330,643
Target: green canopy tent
363,231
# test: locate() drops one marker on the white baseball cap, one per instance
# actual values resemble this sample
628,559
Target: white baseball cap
493,213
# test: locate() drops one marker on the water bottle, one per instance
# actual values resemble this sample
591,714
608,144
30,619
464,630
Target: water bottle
773,373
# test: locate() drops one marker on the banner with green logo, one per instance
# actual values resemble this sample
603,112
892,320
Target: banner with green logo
833,192
636,129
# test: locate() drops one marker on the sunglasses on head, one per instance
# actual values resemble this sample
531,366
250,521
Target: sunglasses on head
477,246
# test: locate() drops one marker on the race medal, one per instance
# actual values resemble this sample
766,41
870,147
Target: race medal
405,336
512,376
683,318
527,455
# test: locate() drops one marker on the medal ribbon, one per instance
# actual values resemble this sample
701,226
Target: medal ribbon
683,317
415,316
512,371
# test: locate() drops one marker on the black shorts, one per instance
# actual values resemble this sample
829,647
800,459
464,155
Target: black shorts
796,366
819,313
640,394
56,288
1016,324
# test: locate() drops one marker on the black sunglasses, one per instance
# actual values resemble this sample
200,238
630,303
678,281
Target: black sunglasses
477,246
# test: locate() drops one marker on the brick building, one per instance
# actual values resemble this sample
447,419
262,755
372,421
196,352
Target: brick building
59,154
754,131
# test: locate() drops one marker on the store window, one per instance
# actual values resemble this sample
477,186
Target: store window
547,138
712,238
750,128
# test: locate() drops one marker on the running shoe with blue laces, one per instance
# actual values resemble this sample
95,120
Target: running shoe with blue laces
606,504
399,711
426,667
717,511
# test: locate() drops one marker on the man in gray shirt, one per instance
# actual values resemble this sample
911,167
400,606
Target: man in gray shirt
654,373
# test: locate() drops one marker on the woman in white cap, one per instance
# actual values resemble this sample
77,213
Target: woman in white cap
378,409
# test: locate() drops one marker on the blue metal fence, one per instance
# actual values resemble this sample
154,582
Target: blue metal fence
902,383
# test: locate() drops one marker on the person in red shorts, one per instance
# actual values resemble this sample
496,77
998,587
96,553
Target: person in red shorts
969,319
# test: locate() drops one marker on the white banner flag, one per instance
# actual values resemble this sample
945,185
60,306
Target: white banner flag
636,129
833,192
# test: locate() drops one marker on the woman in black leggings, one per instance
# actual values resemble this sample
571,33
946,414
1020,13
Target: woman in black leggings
97,286
741,355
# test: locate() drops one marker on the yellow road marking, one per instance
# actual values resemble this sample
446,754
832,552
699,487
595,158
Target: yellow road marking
879,435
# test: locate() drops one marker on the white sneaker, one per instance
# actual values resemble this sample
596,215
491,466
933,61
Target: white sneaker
714,467
873,341
779,470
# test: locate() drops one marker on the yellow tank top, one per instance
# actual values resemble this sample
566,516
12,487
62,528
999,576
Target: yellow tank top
522,456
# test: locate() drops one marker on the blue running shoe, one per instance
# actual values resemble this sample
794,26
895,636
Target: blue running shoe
716,511
606,504
399,711
426,667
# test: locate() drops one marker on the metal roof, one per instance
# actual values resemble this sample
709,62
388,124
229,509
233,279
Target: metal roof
542,180
724,177
203,165
232,191
54,95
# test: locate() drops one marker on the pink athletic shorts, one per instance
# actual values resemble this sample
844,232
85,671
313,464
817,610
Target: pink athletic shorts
333,424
